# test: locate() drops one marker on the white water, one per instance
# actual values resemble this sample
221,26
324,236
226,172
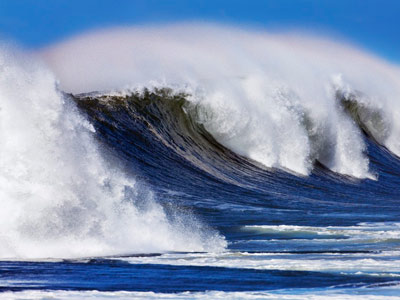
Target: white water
365,236
59,196
257,89
370,293
378,265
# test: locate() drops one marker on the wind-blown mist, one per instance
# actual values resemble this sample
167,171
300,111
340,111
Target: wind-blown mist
59,196
275,98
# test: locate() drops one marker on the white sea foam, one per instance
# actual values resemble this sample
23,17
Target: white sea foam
59,196
378,293
386,264
366,235
373,232
270,97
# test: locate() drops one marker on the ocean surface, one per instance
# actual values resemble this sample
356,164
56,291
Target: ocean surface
244,188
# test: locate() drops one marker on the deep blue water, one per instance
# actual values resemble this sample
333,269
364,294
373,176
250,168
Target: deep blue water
111,275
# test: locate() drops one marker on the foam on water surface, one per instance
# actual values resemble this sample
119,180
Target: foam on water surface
377,293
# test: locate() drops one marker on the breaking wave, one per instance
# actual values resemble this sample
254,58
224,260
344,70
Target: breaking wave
63,197
231,102
199,131
281,100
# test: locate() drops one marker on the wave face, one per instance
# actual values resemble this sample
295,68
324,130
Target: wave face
271,98
62,197
161,135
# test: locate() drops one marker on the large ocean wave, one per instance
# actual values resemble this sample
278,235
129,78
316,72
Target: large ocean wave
282,100
198,132
202,161
209,153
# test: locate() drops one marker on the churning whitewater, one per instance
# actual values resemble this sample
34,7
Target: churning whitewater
199,161
60,196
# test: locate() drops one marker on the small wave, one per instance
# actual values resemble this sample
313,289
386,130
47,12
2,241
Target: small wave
373,264
362,233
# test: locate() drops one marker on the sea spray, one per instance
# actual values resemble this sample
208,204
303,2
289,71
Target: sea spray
273,97
60,197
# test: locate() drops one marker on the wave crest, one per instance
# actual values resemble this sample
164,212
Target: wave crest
273,97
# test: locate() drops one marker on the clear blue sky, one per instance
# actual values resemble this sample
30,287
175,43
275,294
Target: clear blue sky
373,24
